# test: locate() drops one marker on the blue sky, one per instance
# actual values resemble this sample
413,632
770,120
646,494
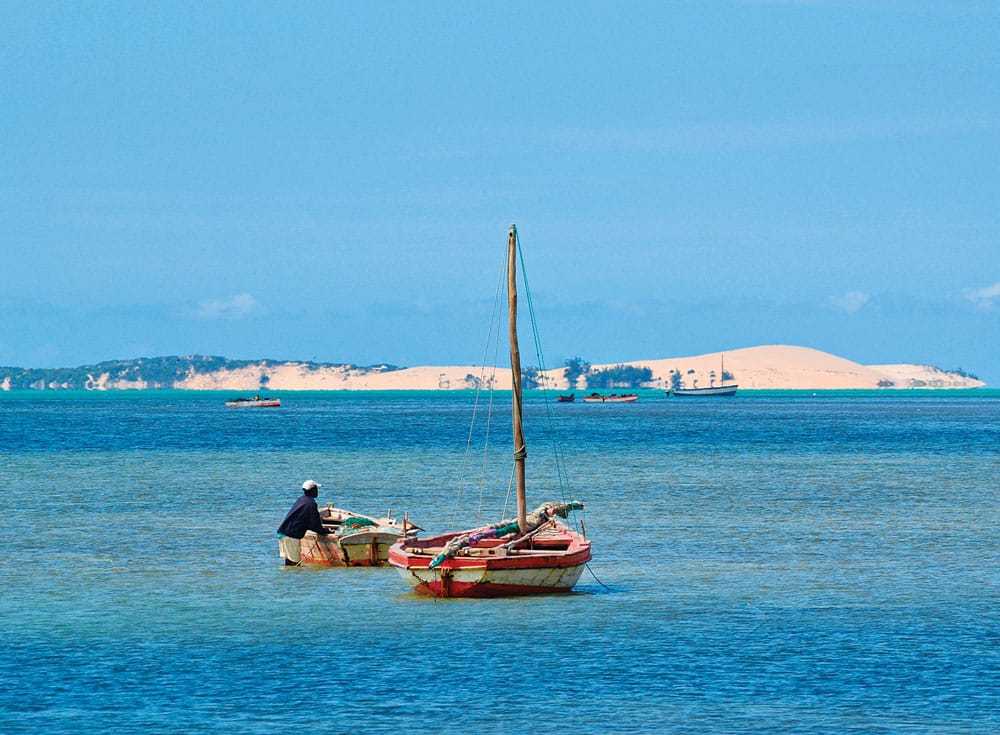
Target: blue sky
334,181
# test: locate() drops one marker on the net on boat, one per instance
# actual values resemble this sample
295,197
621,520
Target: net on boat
353,523
533,520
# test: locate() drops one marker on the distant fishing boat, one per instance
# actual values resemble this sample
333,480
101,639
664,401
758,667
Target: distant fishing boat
566,399
718,390
355,541
714,390
255,402
532,554
612,398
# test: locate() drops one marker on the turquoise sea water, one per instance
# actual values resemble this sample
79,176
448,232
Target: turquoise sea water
775,562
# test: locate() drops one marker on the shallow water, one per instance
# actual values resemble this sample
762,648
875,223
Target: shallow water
769,563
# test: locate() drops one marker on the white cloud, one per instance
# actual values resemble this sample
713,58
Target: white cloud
851,302
239,306
984,298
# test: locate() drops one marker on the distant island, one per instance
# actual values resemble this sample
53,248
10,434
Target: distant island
772,367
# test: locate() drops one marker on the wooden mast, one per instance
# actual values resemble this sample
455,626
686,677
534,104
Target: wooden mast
520,451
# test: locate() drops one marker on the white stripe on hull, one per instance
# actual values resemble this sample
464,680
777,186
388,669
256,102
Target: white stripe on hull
548,578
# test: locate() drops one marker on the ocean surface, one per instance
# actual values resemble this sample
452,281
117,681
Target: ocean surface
771,563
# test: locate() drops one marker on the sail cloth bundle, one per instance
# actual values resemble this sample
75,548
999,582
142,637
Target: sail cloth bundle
534,520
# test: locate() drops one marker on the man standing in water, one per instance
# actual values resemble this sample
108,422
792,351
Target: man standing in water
304,516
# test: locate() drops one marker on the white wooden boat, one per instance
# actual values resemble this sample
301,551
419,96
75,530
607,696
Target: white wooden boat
611,398
712,390
717,390
356,540
256,402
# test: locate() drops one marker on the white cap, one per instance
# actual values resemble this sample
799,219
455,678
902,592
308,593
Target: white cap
311,485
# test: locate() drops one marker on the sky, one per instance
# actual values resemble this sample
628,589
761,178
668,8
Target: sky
333,181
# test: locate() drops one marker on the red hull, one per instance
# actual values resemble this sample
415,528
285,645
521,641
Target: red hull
550,562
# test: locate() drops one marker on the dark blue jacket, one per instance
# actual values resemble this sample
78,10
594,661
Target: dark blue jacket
304,516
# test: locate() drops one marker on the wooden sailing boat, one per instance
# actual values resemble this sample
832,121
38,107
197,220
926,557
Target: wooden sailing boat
354,540
534,553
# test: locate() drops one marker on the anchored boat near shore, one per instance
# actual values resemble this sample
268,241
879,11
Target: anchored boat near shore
712,390
255,402
612,398
718,390
355,541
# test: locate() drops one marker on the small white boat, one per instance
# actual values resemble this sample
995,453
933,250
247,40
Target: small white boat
712,390
717,390
255,402
613,398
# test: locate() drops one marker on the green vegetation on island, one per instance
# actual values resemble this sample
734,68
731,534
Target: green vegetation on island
617,376
175,372
151,373
677,380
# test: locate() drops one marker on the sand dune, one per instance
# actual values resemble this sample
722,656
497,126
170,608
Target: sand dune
771,367
789,367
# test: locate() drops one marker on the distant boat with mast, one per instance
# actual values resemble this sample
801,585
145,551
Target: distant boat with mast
712,390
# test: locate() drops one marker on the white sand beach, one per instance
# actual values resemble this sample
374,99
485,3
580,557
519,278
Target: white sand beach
770,367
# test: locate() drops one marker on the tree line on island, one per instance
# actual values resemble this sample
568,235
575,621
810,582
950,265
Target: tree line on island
162,373
159,373
581,374
156,373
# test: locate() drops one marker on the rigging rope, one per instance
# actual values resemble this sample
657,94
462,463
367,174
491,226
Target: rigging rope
494,340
